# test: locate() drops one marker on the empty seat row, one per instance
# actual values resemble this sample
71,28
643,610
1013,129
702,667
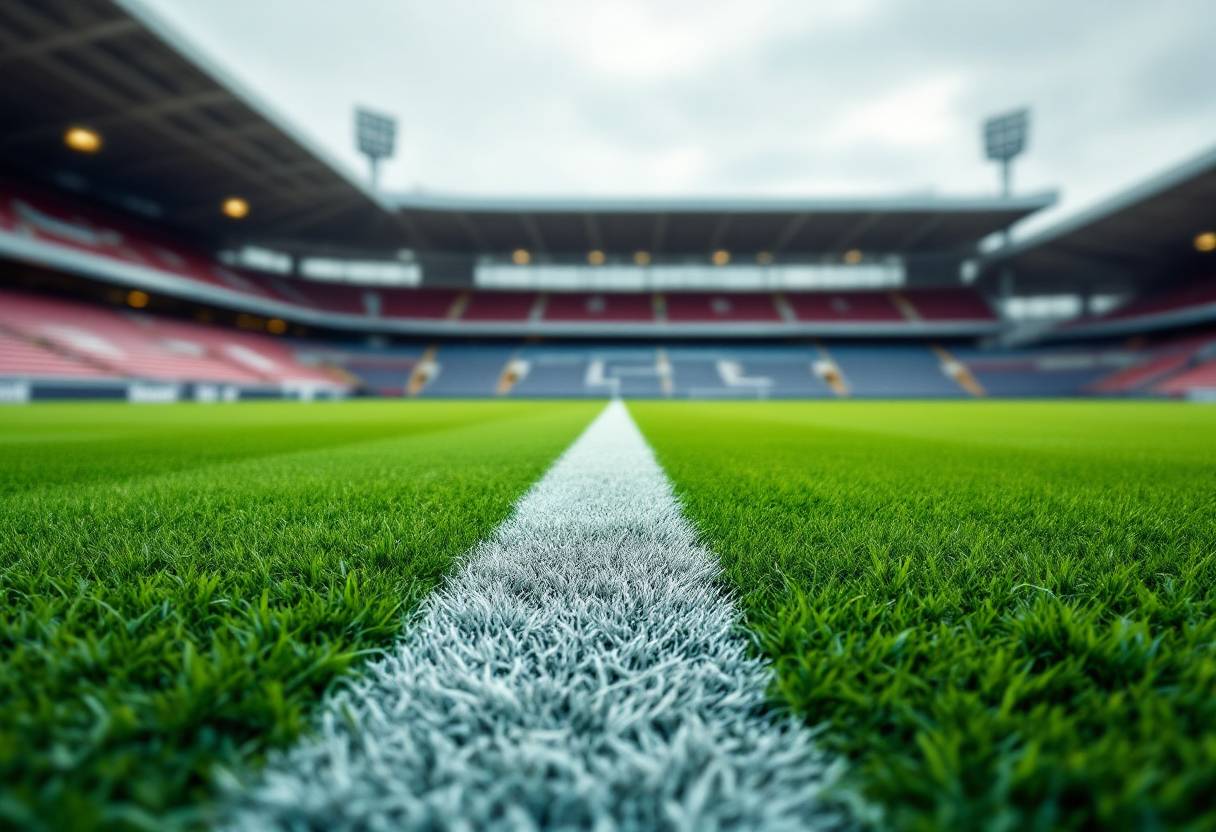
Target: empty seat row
52,336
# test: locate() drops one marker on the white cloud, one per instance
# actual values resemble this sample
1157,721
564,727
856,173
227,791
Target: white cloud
924,113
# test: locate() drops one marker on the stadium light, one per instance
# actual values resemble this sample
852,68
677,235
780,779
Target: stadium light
641,258
137,299
595,258
1206,241
521,257
235,207
1004,140
721,257
853,256
376,136
82,139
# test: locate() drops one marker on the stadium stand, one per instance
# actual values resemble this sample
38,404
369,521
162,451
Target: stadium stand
747,371
435,304
39,217
51,338
1199,293
875,371
609,306
1154,364
24,358
82,340
329,297
724,306
948,305
499,306
1200,377
844,307
467,370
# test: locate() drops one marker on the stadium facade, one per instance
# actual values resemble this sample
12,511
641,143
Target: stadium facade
164,235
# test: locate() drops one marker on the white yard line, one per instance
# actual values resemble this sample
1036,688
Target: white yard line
580,671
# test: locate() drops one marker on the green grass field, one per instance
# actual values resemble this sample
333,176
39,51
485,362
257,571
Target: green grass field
1003,614
178,585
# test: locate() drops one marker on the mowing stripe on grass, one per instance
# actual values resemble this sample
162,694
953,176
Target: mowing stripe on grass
579,672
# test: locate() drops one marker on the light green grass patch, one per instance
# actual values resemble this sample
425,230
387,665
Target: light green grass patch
1005,613
178,585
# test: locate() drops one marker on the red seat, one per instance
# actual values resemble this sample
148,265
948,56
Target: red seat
499,306
844,306
949,305
417,303
609,306
142,346
1203,375
19,357
720,306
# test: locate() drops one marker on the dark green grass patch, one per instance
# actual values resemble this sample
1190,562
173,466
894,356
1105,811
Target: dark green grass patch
178,585
1005,613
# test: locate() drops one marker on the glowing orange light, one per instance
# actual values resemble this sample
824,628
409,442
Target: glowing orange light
521,257
642,258
721,257
852,257
82,139
1206,241
137,299
595,258
276,326
235,207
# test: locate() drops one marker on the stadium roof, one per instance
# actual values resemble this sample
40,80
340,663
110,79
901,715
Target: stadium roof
180,137
698,226
1142,235
176,130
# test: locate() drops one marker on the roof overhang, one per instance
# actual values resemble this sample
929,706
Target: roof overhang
1140,236
563,227
179,135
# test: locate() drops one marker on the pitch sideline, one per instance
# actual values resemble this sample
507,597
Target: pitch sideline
580,671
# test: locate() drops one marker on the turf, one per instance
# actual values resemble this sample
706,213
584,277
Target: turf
1002,613
178,585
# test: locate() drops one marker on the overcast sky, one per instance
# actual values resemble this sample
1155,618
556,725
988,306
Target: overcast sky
730,97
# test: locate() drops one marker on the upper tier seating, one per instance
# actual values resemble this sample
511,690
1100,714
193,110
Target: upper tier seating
499,306
417,303
949,305
47,218
1199,293
609,306
844,306
327,296
734,307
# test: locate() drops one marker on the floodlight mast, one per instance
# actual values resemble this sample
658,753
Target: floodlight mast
1004,140
376,136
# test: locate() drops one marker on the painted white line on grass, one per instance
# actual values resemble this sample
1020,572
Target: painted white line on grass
580,671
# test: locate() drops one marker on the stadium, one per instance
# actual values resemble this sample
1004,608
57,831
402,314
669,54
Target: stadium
492,512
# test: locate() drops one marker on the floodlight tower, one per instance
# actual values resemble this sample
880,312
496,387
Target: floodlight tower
1005,139
376,136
